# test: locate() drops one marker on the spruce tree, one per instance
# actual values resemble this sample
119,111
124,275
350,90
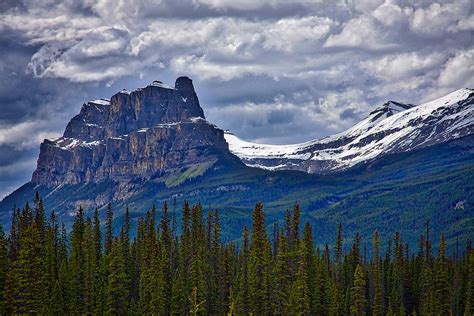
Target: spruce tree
166,254
77,264
469,304
240,295
4,267
442,283
90,267
27,268
197,268
358,299
260,256
299,291
160,274
40,217
97,237
310,263
182,284
109,228
117,295
282,293
377,306
51,267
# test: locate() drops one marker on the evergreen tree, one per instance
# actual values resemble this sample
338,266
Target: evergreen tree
40,217
4,268
259,264
310,264
63,291
296,223
182,284
27,268
159,273
77,264
358,299
97,237
117,281
90,267
300,298
442,283
166,254
240,295
198,245
197,307
99,285
469,305
109,228
377,306
51,267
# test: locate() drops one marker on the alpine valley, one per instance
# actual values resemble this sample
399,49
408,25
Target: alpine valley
401,166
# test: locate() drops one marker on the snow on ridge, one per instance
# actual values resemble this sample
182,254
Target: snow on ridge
66,143
197,119
158,83
100,102
401,128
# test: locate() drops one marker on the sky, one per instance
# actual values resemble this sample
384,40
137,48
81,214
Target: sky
271,71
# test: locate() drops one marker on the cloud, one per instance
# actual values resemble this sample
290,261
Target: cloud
364,33
391,15
439,19
26,134
403,66
296,117
458,71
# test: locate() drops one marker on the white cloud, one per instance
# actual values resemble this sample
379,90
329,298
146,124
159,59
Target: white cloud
466,23
403,66
290,34
305,116
249,5
458,71
208,70
366,5
438,19
28,134
364,32
391,15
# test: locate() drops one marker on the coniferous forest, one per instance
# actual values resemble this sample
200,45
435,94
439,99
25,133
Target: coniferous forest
166,269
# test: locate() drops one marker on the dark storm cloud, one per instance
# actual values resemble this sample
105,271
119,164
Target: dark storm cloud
271,71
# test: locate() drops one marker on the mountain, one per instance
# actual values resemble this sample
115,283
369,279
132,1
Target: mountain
392,128
154,144
152,132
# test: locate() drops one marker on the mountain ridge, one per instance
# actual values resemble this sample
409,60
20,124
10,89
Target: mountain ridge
392,127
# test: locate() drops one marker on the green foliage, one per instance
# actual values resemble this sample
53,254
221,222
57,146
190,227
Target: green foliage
194,171
4,269
117,289
160,272
358,299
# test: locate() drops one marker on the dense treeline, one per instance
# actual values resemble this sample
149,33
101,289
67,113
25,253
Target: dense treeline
161,272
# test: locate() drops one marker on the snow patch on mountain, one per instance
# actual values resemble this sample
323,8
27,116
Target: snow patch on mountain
392,127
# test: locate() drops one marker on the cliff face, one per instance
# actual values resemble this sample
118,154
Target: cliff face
141,134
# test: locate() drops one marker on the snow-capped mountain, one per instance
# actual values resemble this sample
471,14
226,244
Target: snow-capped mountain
390,128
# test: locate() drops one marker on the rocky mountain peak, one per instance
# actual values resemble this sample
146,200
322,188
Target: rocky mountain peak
388,109
184,84
143,133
